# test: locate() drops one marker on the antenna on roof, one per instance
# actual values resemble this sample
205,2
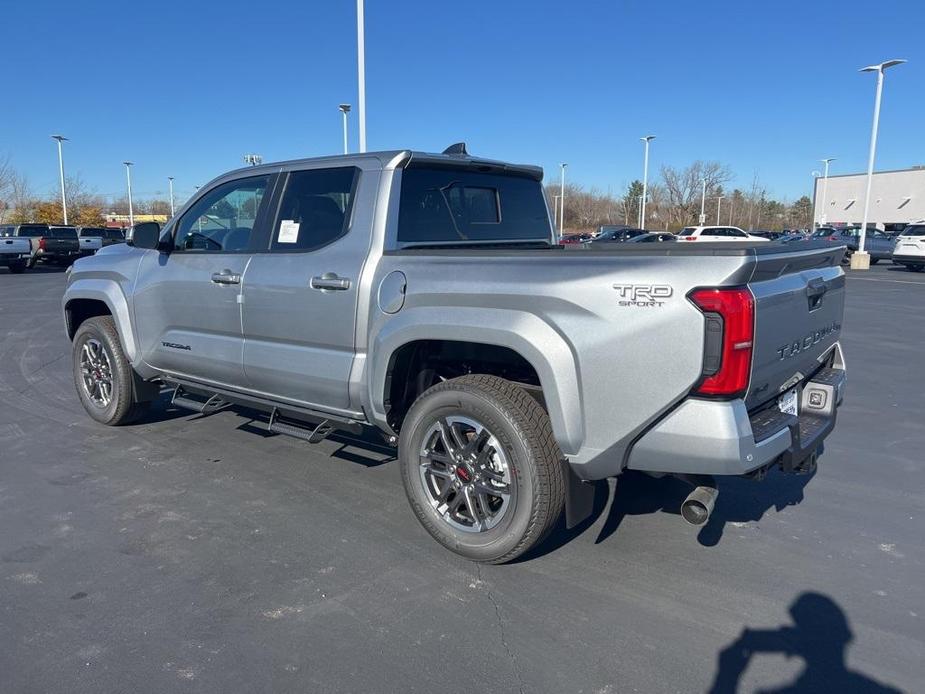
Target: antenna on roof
459,149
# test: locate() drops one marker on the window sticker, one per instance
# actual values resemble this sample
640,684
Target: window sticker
288,231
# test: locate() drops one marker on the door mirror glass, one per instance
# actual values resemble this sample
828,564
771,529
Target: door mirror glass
144,235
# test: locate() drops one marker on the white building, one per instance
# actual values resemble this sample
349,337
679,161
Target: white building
896,198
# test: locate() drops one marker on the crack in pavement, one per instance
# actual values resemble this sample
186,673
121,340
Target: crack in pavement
507,647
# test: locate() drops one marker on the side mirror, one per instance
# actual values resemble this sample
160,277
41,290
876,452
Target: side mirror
144,235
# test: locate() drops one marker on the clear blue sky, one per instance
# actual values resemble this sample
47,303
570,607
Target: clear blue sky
186,88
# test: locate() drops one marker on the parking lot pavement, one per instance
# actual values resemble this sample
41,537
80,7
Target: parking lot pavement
192,553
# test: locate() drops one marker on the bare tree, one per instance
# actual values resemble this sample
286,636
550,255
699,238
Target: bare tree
684,187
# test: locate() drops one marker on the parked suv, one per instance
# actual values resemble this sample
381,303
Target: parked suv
716,233
910,247
425,295
877,243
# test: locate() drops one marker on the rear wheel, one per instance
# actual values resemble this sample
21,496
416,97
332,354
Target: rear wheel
481,468
103,375
17,268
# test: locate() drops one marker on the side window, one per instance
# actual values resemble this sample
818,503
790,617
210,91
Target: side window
315,209
713,232
736,233
223,219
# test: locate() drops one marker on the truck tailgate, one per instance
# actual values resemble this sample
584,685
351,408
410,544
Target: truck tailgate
799,303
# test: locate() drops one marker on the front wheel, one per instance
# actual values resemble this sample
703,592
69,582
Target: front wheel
481,468
103,375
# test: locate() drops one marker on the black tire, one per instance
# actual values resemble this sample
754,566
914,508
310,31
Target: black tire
17,268
917,268
522,431
121,408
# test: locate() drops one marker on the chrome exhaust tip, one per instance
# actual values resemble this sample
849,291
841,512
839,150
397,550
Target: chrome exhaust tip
698,505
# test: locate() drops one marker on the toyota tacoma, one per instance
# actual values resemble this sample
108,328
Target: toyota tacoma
427,296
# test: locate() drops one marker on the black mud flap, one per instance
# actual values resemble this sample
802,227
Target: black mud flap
579,498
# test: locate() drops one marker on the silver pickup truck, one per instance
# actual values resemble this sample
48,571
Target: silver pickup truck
15,253
426,296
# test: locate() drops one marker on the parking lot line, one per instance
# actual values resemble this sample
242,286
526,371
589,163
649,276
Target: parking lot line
871,279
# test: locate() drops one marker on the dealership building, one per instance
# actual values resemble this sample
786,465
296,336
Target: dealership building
896,199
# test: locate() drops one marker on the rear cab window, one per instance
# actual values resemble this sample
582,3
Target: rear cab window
63,233
455,205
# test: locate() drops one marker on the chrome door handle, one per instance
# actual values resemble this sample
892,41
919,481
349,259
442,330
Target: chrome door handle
330,281
226,277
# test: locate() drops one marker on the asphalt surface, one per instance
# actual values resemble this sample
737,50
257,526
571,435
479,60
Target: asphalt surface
199,554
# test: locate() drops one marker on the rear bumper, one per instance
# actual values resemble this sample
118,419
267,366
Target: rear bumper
722,438
909,259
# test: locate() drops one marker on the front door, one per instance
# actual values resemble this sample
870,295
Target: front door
188,301
300,298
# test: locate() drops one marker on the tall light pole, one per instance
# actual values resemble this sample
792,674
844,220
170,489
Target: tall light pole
863,262
345,109
128,178
719,202
562,198
645,179
703,203
170,183
361,75
60,139
825,189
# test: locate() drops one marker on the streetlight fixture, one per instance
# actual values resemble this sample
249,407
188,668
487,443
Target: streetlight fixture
562,198
128,178
361,75
719,203
345,109
862,262
170,183
645,179
60,139
825,188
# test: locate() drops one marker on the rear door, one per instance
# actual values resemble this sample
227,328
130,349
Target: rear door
188,302
300,298
799,304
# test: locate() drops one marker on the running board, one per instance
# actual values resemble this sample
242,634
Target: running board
181,398
308,433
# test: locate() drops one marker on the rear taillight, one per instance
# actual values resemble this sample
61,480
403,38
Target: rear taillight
730,323
690,238
42,244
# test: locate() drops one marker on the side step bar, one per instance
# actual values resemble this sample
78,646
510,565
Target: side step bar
182,398
307,425
313,435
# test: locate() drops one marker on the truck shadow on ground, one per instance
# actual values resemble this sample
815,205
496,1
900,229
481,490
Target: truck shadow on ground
740,500
819,636
636,494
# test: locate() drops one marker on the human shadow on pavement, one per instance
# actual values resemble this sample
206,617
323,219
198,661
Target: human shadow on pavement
820,635
740,500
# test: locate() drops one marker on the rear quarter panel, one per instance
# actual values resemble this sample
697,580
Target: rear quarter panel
607,367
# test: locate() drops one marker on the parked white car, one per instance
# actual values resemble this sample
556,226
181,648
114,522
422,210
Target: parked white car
716,233
910,247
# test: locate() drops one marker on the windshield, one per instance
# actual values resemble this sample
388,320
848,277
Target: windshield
914,230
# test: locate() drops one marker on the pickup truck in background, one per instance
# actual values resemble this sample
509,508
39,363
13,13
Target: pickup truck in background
107,237
89,244
15,253
57,244
424,295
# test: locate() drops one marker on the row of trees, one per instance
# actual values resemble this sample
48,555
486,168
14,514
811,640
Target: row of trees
20,204
674,201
